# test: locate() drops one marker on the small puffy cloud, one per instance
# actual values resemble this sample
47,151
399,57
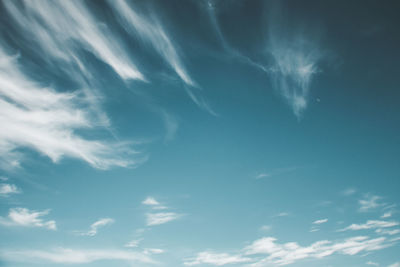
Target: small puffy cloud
320,221
96,225
397,264
27,218
8,189
371,224
160,218
217,259
372,263
150,201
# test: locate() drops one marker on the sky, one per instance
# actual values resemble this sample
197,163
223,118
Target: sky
199,133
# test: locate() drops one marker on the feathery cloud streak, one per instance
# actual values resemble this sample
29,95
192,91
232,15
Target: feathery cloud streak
98,224
57,25
45,120
291,252
151,32
74,256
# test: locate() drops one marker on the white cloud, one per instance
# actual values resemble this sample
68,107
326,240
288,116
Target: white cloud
27,218
349,191
98,224
58,26
151,201
160,218
386,215
370,202
387,232
217,259
372,263
133,243
371,224
397,264
150,251
151,32
287,253
320,221
282,214
262,175
74,256
268,252
45,120
296,56
265,228
7,189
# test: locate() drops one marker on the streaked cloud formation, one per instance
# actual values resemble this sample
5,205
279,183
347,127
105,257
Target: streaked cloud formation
27,218
160,218
98,224
266,251
75,256
371,224
320,221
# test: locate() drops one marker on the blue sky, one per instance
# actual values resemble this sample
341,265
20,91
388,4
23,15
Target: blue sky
199,133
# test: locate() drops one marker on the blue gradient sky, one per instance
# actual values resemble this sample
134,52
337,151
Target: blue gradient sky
199,133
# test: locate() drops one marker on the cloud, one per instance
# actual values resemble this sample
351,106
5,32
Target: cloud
74,256
397,264
217,259
370,202
372,263
58,26
282,214
160,218
320,221
349,191
171,125
151,32
265,228
287,253
296,56
133,243
371,224
98,224
386,215
27,218
150,201
387,232
267,251
8,189
150,251
40,118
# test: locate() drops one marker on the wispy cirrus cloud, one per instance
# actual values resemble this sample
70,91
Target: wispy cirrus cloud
58,26
40,118
97,225
75,256
151,32
27,218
